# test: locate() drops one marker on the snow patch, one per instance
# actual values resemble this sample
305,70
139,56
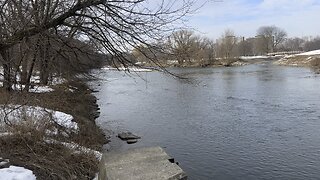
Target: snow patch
309,53
41,89
32,89
57,81
253,57
16,173
15,114
77,148
130,69
71,90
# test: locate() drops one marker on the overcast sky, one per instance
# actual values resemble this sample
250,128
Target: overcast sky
297,17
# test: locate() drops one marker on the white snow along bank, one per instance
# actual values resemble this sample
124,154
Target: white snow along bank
16,113
310,53
16,173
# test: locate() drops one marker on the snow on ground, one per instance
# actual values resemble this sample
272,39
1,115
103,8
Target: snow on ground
16,113
41,89
77,148
253,57
130,69
35,79
310,53
72,89
16,173
33,89
57,81
5,134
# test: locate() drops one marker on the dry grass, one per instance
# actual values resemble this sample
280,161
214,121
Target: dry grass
306,61
47,160
27,147
316,62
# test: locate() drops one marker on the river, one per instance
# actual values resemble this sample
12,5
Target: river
251,122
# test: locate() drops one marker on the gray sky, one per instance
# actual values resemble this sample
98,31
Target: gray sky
244,17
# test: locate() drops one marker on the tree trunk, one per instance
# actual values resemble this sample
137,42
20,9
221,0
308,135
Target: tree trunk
44,59
24,64
7,81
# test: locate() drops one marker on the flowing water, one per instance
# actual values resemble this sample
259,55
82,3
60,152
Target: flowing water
251,122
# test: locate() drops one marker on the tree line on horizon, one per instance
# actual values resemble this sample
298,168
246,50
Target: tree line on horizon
187,47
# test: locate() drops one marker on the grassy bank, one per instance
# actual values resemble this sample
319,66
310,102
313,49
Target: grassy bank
61,155
311,61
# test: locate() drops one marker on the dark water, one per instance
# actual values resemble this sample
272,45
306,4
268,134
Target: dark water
251,122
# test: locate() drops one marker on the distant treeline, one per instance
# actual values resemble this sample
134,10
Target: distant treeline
186,47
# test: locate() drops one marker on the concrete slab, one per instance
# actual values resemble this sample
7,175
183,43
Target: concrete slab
140,164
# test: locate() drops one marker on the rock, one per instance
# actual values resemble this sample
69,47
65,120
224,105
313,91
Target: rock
127,136
143,163
132,141
4,163
95,114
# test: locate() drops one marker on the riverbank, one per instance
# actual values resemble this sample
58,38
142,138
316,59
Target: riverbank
309,59
218,62
44,145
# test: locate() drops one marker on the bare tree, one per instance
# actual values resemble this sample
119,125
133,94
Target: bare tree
293,44
227,44
313,44
182,45
206,50
111,27
245,47
271,37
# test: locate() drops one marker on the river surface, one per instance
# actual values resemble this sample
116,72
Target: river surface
251,122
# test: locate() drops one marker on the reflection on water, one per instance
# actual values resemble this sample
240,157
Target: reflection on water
252,122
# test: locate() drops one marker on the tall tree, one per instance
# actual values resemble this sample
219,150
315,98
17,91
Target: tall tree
271,37
182,44
227,44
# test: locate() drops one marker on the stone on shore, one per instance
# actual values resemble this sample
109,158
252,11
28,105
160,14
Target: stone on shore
132,141
125,136
4,163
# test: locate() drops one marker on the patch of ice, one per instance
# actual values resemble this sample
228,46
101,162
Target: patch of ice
16,173
309,53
